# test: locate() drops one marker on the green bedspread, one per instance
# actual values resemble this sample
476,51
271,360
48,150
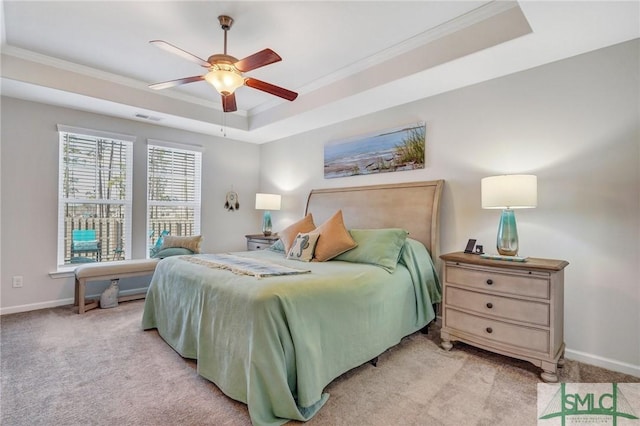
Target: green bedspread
274,343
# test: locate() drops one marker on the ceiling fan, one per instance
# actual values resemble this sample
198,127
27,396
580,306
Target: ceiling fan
225,71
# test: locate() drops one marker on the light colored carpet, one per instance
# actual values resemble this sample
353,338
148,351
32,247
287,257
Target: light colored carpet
100,368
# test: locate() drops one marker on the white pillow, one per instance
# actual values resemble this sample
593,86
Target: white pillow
303,247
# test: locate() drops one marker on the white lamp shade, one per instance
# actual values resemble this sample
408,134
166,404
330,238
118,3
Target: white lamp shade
268,201
509,192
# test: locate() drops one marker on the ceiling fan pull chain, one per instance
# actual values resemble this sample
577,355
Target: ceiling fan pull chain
223,128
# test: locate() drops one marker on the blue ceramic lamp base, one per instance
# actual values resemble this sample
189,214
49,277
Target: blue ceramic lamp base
266,223
507,241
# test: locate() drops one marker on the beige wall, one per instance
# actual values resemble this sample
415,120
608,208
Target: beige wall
574,124
29,177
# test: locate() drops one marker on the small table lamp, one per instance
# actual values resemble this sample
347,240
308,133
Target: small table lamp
509,192
267,202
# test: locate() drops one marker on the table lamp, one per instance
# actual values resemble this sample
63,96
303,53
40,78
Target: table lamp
509,192
267,202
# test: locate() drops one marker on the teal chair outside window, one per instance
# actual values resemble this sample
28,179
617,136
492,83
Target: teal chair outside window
84,242
158,245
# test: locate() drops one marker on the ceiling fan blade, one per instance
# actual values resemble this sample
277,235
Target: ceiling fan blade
229,103
257,60
270,88
178,82
182,53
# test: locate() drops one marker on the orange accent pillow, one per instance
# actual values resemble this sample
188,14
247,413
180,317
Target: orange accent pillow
289,234
334,238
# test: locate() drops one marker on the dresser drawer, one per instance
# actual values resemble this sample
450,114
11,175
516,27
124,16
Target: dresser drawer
257,245
260,241
530,285
498,306
497,331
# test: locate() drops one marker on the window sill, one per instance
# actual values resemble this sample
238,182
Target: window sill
63,272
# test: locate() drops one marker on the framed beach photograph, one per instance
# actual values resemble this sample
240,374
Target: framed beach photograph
391,150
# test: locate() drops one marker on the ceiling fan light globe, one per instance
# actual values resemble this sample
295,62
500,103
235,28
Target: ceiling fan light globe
225,81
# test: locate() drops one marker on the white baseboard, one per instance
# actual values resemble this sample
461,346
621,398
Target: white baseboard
35,306
59,302
598,361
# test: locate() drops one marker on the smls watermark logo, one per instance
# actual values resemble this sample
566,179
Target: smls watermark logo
591,404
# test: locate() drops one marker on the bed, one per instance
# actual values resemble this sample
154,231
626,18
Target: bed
275,342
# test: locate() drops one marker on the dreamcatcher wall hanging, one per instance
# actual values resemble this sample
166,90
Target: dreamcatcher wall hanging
231,203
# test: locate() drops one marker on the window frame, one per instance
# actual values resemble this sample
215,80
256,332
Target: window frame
196,204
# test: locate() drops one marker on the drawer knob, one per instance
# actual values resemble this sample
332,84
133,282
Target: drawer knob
489,330
489,305
489,281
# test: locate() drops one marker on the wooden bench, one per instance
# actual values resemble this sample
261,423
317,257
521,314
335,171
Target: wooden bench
109,271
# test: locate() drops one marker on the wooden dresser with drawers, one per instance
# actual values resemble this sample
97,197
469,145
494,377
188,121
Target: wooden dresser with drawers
512,308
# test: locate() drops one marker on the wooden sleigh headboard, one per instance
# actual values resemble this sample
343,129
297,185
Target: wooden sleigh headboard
413,206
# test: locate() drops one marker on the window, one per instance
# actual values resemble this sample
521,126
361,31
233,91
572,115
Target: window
173,192
94,196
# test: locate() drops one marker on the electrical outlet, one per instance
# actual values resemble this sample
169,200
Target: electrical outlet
17,281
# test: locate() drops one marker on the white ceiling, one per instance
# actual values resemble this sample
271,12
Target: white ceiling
345,58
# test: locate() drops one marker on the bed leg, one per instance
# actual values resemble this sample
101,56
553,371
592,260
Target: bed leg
374,362
425,329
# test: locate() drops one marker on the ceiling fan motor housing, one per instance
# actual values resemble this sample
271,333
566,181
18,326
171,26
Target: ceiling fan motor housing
220,58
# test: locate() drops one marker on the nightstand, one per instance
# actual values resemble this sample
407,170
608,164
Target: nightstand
260,241
512,308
